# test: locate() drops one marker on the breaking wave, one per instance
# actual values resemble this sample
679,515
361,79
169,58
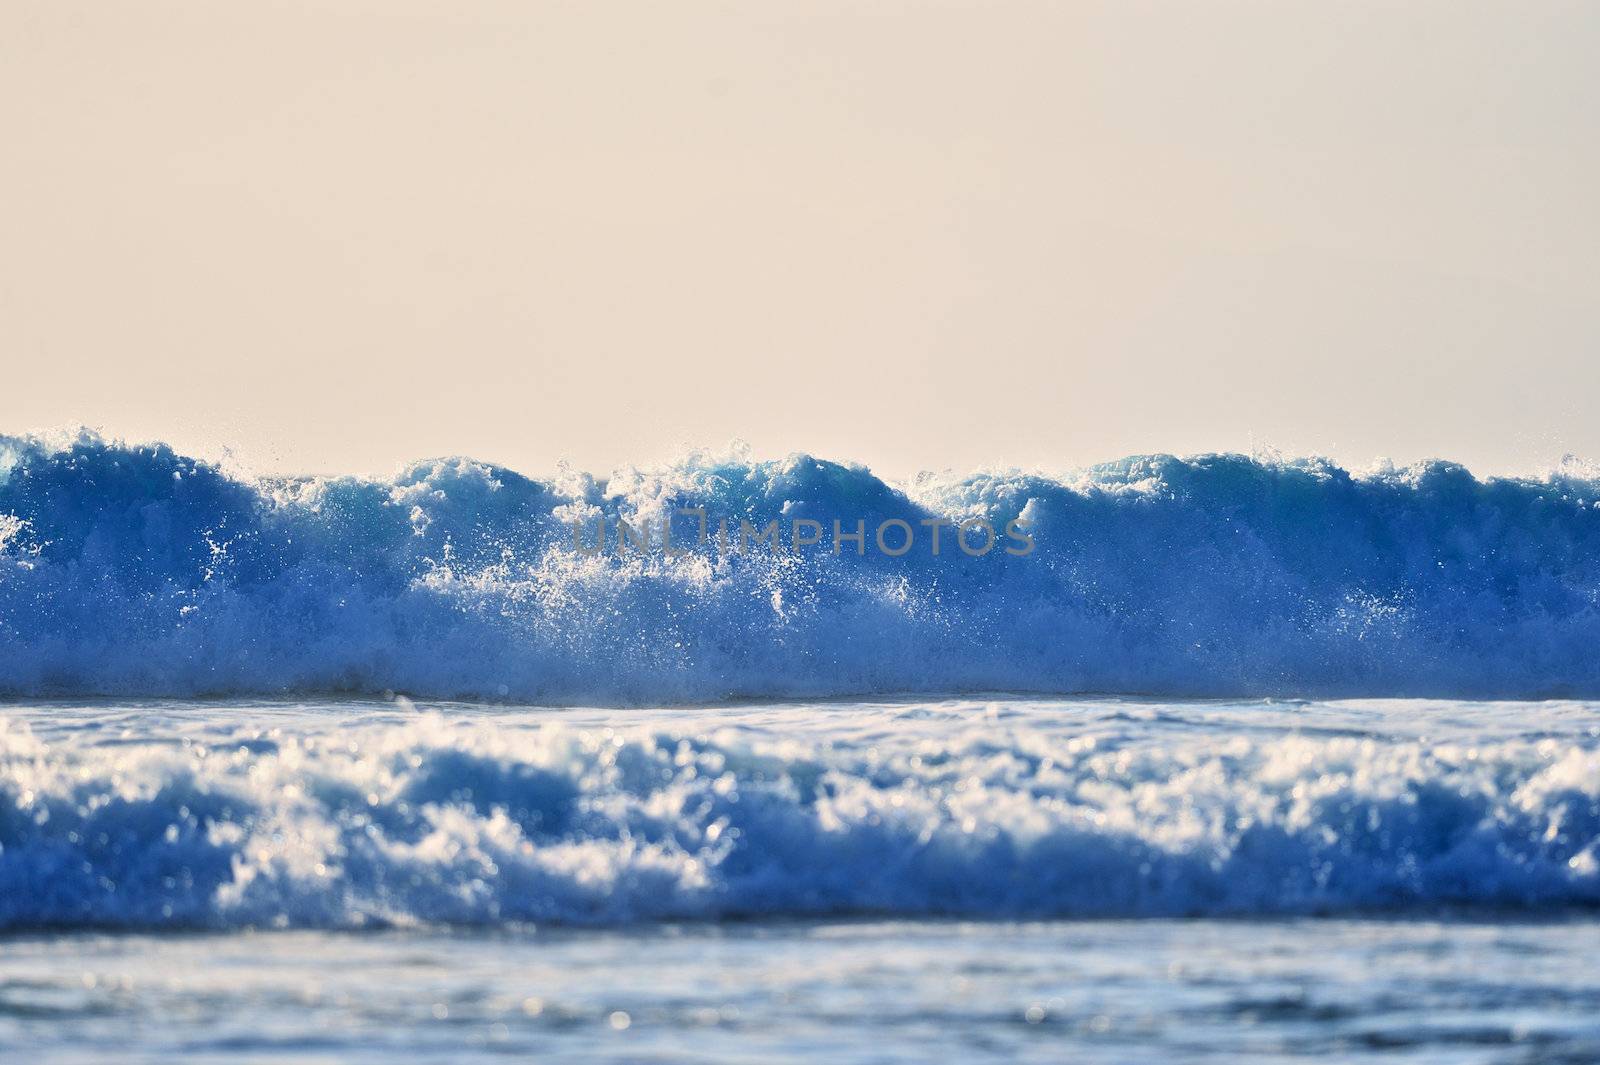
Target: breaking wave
134,570
458,821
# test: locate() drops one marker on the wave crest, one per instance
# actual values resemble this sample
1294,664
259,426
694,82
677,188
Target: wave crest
136,570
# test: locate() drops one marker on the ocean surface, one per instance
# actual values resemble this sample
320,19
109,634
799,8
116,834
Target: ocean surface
351,769
1006,878
131,570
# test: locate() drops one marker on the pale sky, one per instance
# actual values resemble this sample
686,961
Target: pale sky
335,235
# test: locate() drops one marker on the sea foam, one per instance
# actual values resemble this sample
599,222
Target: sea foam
347,819
134,570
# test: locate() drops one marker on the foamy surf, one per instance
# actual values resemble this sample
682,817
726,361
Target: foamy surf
227,817
137,571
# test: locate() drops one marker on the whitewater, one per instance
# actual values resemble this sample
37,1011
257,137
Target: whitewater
1242,760
133,570
1006,879
333,815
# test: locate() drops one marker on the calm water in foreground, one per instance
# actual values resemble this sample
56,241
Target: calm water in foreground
913,991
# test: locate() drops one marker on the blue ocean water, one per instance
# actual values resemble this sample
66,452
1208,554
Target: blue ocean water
345,815
344,769
134,570
1001,879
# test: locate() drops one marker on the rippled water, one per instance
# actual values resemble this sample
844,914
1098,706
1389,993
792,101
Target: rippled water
914,991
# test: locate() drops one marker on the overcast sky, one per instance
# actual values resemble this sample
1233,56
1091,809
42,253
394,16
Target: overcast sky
334,235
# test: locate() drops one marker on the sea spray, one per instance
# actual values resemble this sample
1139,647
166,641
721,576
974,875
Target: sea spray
136,570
